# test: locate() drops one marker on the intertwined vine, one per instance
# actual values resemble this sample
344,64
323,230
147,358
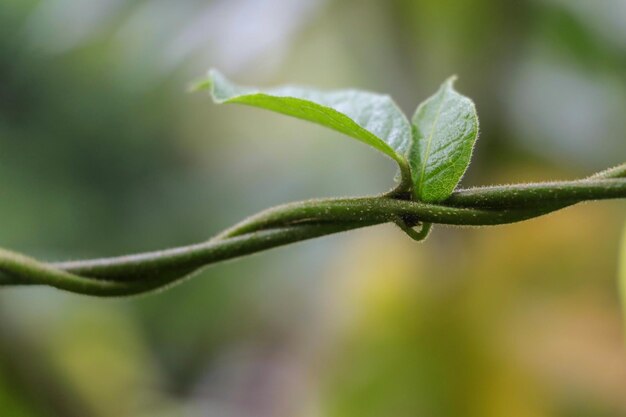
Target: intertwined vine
282,225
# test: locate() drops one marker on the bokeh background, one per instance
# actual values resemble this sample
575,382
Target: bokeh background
103,152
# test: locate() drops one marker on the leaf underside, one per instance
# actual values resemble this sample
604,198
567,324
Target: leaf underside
371,118
445,129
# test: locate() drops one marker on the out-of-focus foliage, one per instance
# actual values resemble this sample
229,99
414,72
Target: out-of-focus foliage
103,153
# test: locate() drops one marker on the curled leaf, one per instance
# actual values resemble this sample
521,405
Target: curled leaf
371,118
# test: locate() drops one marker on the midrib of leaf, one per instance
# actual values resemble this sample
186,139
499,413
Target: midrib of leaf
428,146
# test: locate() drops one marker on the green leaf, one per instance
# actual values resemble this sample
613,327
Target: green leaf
368,117
445,128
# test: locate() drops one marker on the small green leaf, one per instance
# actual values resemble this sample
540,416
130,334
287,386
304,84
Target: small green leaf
445,128
368,117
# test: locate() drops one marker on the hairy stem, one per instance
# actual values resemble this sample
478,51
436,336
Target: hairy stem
532,195
290,223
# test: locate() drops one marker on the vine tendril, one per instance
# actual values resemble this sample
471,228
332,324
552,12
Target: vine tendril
291,223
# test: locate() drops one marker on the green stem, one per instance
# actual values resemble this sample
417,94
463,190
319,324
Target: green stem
145,272
531,195
337,214
403,189
295,222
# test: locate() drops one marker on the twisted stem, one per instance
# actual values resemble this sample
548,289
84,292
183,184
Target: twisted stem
290,223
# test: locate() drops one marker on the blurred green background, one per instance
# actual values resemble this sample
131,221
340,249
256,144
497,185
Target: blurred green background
103,152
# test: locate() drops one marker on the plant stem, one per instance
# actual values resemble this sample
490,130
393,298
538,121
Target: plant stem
532,195
148,271
290,223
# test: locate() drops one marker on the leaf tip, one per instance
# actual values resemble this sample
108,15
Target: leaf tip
449,82
221,89
207,82
214,73
200,84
